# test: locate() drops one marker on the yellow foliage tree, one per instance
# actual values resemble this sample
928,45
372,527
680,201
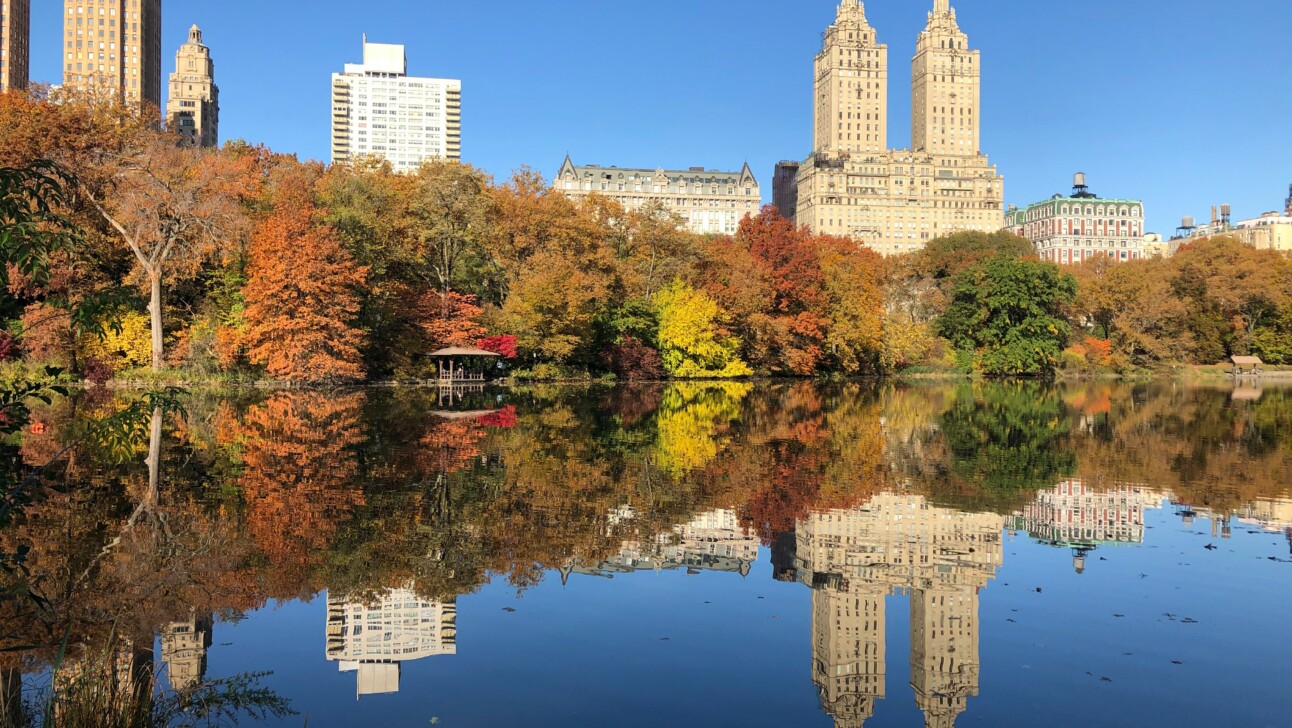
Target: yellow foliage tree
692,340
129,347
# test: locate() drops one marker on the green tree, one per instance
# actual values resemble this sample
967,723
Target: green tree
1008,313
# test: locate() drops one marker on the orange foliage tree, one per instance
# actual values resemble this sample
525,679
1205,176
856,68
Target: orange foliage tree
301,290
300,473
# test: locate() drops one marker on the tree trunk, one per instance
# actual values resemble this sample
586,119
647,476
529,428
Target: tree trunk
155,311
154,460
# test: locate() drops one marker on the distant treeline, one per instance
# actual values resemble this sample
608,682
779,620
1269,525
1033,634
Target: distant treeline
246,263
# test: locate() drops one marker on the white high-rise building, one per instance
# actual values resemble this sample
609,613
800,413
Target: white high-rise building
378,110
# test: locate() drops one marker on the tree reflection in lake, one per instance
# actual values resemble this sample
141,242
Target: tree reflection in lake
398,508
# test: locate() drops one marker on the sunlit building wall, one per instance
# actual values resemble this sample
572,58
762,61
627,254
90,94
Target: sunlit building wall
113,50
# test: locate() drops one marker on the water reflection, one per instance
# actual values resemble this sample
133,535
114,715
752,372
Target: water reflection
854,559
373,640
396,504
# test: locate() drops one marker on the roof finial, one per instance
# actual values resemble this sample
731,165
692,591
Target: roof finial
941,7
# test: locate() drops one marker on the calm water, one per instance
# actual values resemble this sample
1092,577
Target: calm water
708,555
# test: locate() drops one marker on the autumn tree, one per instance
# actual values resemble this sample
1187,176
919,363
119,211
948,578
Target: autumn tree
174,207
1240,288
693,339
1134,306
452,213
452,319
553,306
302,289
531,218
854,293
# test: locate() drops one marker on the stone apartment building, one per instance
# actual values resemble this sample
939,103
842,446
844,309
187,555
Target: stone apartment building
708,201
113,49
15,44
895,201
1068,230
193,105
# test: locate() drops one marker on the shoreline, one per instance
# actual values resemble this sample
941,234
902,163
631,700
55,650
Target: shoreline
1202,375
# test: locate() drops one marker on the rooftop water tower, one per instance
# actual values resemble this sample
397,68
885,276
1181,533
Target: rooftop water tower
1187,226
1079,188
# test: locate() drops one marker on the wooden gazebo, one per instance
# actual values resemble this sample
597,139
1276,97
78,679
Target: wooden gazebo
1252,364
452,360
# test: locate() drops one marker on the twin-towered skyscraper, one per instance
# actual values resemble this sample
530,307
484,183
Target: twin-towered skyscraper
895,201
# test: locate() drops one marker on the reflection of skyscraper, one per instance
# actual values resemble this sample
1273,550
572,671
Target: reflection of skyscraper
848,656
1076,515
373,640
183,647
897,544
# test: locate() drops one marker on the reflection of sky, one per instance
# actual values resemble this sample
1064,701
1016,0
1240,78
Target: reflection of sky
591,653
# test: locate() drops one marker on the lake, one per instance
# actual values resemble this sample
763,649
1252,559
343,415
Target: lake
699,554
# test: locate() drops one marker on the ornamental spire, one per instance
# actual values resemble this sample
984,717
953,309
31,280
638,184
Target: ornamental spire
941,7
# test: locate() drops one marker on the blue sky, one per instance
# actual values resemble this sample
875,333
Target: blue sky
1184,104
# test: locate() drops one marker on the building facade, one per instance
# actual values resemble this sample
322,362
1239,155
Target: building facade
896,201
193,105
379,111
708,201
1079,516
1270,231
1069,230
785,188
373,639
113,50
15,44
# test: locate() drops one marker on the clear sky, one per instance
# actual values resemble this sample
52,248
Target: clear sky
1183,103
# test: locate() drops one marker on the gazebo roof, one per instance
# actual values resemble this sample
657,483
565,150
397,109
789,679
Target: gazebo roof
1248,361
460,351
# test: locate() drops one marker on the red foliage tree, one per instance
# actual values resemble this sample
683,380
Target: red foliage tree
633,361
504,345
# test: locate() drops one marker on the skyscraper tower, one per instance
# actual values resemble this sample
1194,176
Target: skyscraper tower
896,200
851,86
193,105
113,50
15,44
946,83
379,111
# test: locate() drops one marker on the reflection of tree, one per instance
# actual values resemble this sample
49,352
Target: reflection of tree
1209,450
299,475
362,492
693,422
1006,439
